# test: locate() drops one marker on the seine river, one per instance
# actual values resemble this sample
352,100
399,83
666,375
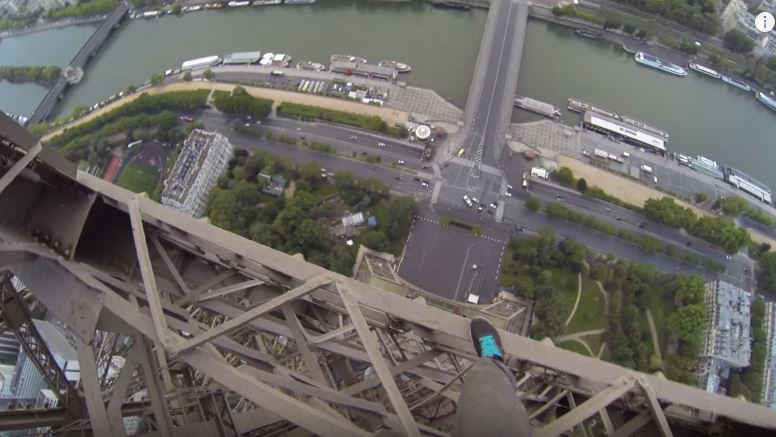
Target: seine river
703,116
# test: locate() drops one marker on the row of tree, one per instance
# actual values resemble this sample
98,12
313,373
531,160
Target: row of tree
736,206
83,9
697,14
144,104
240,102
301,224
719,231
646,242
48,73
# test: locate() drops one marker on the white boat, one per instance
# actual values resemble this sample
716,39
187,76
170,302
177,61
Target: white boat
266,2
736,83
310,65
300,2
348,58
705,70
398,66
654,62
766,100
237,4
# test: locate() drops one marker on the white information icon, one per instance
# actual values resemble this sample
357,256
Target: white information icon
764,21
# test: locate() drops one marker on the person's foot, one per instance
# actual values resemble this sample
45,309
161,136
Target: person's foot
486,340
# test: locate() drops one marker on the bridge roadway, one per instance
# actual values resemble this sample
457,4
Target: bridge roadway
98,38
488,108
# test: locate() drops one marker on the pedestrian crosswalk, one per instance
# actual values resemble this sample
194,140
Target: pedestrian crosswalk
485,168
500,212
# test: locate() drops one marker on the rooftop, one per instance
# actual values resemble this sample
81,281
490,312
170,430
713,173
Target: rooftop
188,165
626,130
728,335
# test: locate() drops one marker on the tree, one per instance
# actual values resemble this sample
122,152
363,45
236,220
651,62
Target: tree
630,28
665,210
187,76
533,203
209,75
176,8
581,185
771,63
767,279
738,42
701,197
374,239
719,61
564,176
157,78
687,322
130,89
641,34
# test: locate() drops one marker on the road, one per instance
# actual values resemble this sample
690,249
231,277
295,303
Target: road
333,163
435,244
486,133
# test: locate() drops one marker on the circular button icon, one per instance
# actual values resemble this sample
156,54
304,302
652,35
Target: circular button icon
764,22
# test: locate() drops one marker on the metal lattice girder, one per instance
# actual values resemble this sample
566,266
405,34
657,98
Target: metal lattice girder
15,314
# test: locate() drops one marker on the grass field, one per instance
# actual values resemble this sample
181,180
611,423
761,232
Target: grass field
573,346
660,304
590,311
594,341
565,281
138,179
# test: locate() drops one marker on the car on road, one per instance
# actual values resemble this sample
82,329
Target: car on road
479,209
493,205
467,201
475,200
424,184
381,144
299,129
400,162
186,118
353,137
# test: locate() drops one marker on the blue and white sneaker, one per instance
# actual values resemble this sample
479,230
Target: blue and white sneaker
486,340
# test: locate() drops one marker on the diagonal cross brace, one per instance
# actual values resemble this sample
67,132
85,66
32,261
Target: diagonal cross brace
254,313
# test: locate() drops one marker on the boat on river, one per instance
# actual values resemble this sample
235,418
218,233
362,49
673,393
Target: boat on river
398,66
766,100
348,58
655,62
736,83
705,70
587,34
310,65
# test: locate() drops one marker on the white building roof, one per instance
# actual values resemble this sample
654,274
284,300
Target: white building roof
626,131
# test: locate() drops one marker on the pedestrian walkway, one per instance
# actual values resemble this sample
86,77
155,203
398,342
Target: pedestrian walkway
579,297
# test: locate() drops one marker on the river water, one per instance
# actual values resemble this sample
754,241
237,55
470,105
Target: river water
703,116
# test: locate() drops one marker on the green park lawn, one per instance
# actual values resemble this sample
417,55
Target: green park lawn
565,281
573,346
590,311
138,179
660,305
